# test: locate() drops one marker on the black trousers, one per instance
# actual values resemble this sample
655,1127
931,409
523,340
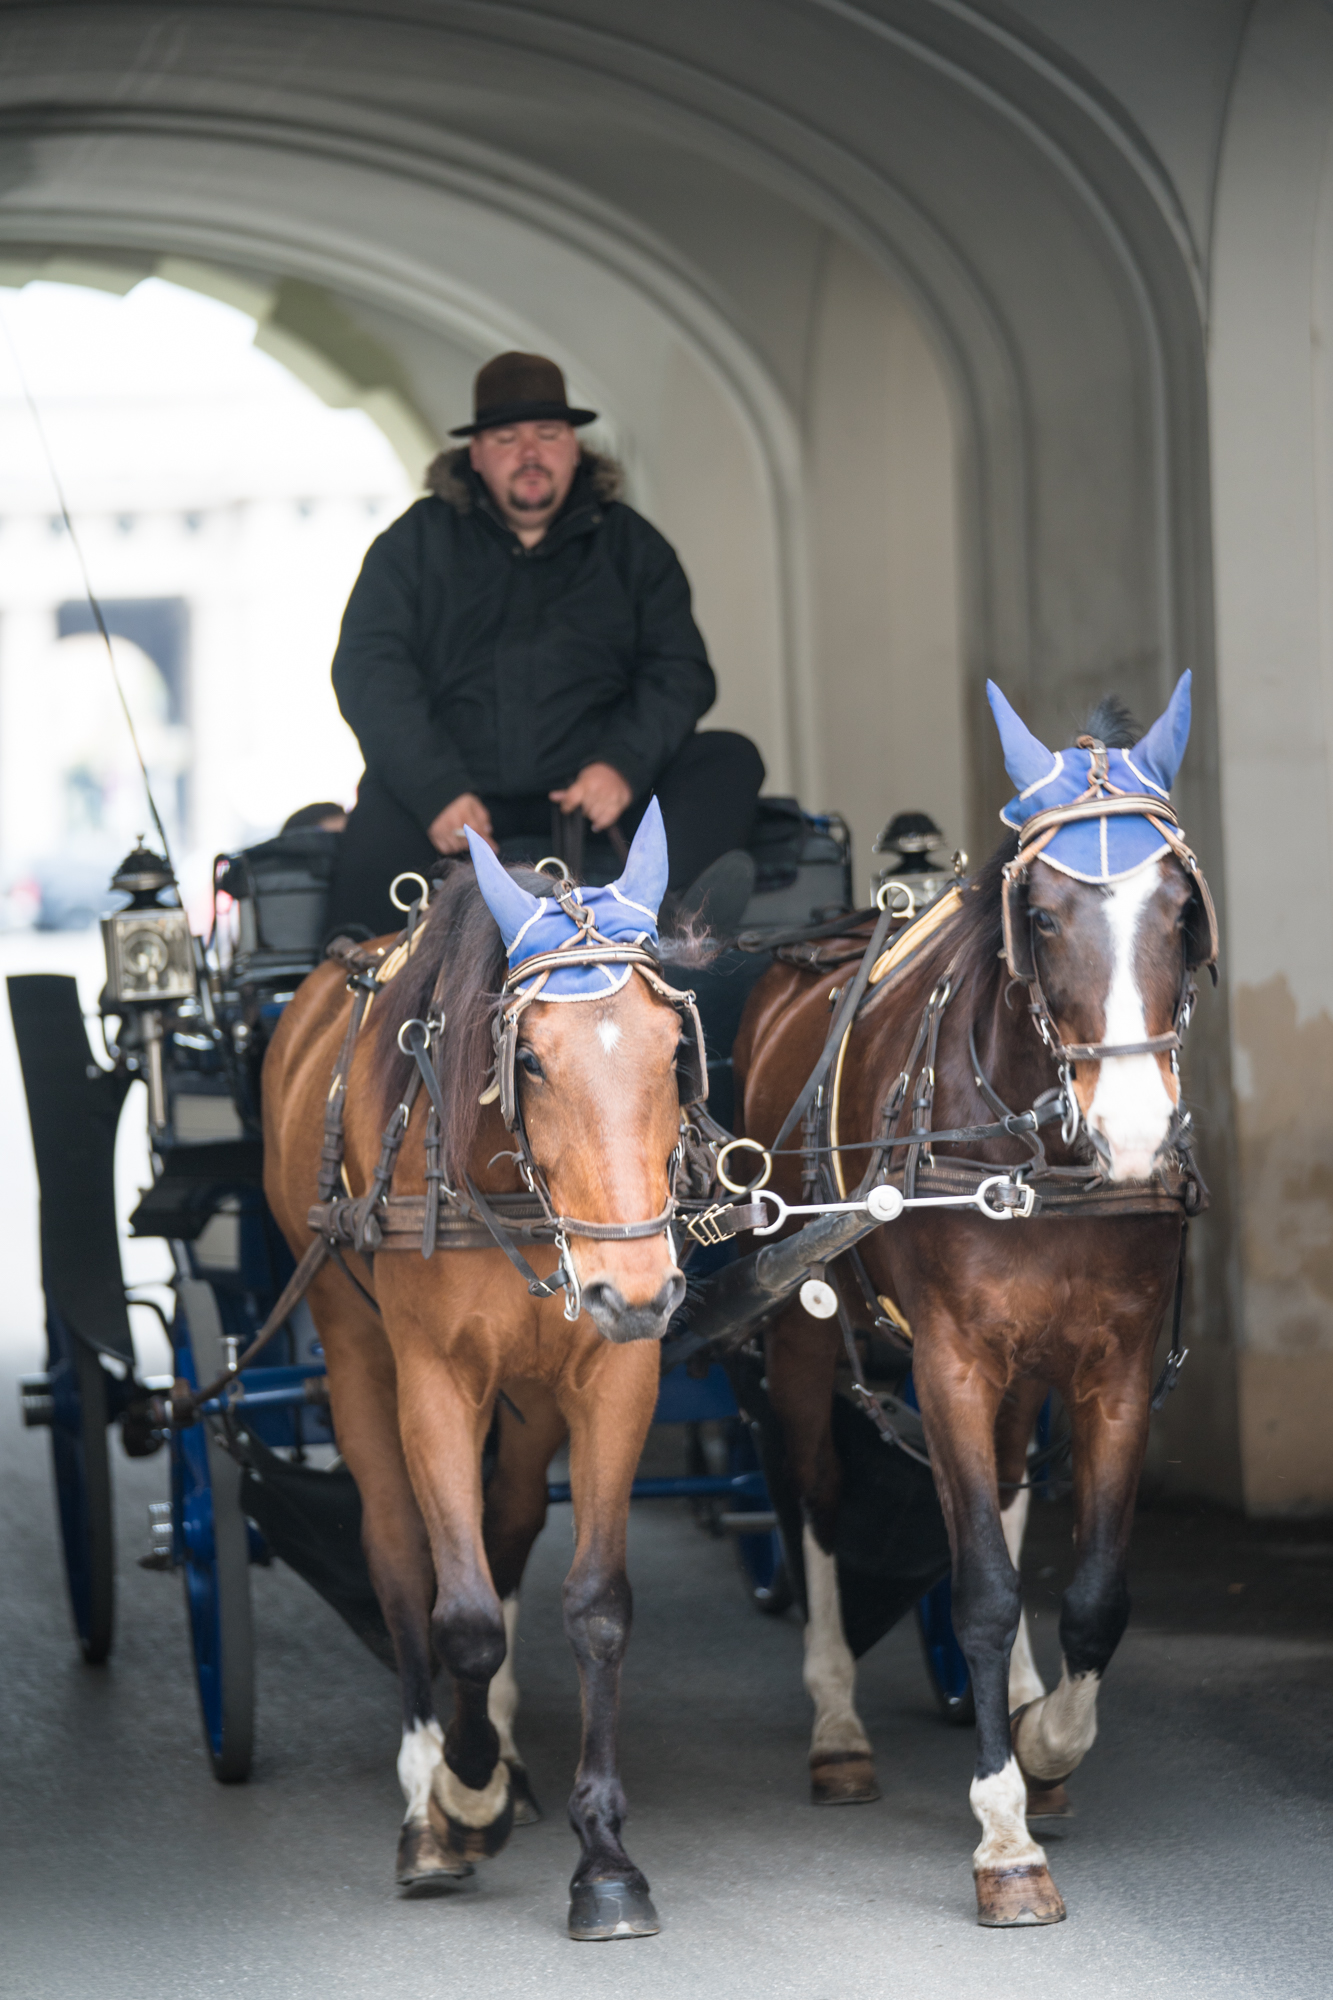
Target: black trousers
707,794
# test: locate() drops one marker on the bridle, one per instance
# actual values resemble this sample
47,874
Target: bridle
1102,800
524,985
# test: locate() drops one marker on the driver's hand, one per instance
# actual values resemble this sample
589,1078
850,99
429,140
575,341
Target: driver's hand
600,792
445,831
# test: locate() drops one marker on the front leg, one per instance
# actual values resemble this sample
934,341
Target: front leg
1109,1419
1018,1414
470,1803
514,1517
363,1392
608,1417
801,1357
959,1405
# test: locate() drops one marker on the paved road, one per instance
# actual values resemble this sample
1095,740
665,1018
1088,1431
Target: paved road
1199,1863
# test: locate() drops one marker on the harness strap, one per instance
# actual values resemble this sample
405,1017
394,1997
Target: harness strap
540,1288
851,999
335,1104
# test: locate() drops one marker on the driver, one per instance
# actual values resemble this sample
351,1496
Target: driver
521,639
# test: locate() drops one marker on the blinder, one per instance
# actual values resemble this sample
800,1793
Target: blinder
1201,939
1017,922
691,1057
1202,942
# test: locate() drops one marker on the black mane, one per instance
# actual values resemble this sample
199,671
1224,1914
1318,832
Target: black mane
462,940
1112,723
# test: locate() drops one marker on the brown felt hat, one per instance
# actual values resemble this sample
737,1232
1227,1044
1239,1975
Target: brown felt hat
519,389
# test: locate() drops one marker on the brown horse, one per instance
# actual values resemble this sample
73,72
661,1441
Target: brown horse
416,1379
999,1311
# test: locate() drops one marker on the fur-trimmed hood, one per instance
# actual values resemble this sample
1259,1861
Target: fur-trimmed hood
449,475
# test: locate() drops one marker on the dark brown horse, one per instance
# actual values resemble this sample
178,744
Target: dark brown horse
1000,1311
415,1386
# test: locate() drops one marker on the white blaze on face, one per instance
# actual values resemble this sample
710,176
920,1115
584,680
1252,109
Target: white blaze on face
608,1034
1131,1106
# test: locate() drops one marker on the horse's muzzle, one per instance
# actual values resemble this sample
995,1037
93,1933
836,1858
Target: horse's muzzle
616,1319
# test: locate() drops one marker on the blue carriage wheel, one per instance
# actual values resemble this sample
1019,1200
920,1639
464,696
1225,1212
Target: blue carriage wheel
81,1464
946,1663
212,1541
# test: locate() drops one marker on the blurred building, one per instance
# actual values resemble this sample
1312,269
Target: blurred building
222,510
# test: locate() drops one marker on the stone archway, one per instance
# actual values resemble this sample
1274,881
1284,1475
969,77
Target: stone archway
677,191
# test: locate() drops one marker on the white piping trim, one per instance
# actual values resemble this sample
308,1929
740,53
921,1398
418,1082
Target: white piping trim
630,904
1051,775
1100,881
598,993
1139,775
519,935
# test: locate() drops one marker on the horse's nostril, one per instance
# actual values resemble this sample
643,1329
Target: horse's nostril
607,1303
670,1296
601,1297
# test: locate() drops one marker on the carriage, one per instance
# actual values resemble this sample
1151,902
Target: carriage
257,1475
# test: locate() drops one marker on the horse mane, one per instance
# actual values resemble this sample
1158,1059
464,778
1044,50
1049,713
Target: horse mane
461,949
1112,724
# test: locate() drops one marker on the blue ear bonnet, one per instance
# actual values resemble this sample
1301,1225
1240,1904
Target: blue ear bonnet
625,912
1100,849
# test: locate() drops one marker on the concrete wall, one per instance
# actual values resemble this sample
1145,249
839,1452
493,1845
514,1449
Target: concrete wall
1272,400
884,555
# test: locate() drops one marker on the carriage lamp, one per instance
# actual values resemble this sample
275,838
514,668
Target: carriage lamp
149,957
913,877
149,951
149,961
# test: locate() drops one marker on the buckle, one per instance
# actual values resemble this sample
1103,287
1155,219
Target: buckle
1004,1200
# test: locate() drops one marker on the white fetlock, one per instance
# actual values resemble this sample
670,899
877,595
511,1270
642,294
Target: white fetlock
1000,1804
829,1670
1025,1683
419,1757
1057,1732
502,1695
461,1803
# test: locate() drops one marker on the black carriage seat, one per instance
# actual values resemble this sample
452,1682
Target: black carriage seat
281,890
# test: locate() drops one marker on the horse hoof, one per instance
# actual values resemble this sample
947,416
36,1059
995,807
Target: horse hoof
425,1867
527,1812
1048,1801
1007,1897
844,1778
599,1911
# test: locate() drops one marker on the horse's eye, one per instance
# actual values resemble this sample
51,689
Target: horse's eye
527,1061
1045,923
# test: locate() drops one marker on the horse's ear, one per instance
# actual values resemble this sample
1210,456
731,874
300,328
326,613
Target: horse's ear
508,902
1025,758
644,878
1159,753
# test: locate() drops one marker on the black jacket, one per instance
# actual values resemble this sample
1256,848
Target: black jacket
469,664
